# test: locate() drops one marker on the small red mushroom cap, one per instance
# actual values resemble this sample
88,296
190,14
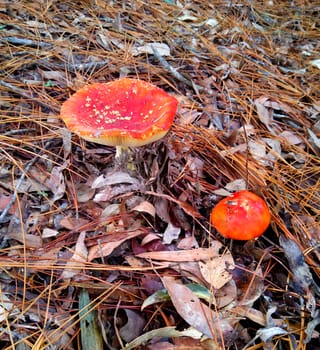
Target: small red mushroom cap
241,216
125,112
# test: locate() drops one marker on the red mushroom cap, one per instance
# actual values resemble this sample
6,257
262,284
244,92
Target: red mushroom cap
125,112
241,216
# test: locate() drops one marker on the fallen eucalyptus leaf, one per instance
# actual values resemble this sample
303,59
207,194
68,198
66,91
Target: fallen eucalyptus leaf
163,295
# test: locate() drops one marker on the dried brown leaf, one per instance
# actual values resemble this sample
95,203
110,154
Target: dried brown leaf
134,326
171,233
78,259
291,137
184,205
145,207
115,178
189,306
162,48
114,240
84,193
263,112
29,240
49,232
187,243
236,185
73,223
56,182
194,312
298,267
183,255
149,238
216,270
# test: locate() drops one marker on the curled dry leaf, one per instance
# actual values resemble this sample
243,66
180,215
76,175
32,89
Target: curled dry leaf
115,178
189,209
187,116
134,262
5,200
114,240
253,314
309,224
266,334
265,108
314,139
275,145
45,257
145,207
149,238
189,306
78,259
53,75
258,152
221,192
315,63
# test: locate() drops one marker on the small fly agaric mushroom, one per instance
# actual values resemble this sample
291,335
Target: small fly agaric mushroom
241,216
122,113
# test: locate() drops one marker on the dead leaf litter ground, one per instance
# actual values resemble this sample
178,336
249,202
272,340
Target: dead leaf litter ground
93,257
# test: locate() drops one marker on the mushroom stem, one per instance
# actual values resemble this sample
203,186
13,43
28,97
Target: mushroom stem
121,151
123,159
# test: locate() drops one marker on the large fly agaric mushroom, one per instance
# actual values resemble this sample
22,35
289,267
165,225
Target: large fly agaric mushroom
122,113
241,216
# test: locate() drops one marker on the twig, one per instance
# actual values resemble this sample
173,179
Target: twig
26,42
18,131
